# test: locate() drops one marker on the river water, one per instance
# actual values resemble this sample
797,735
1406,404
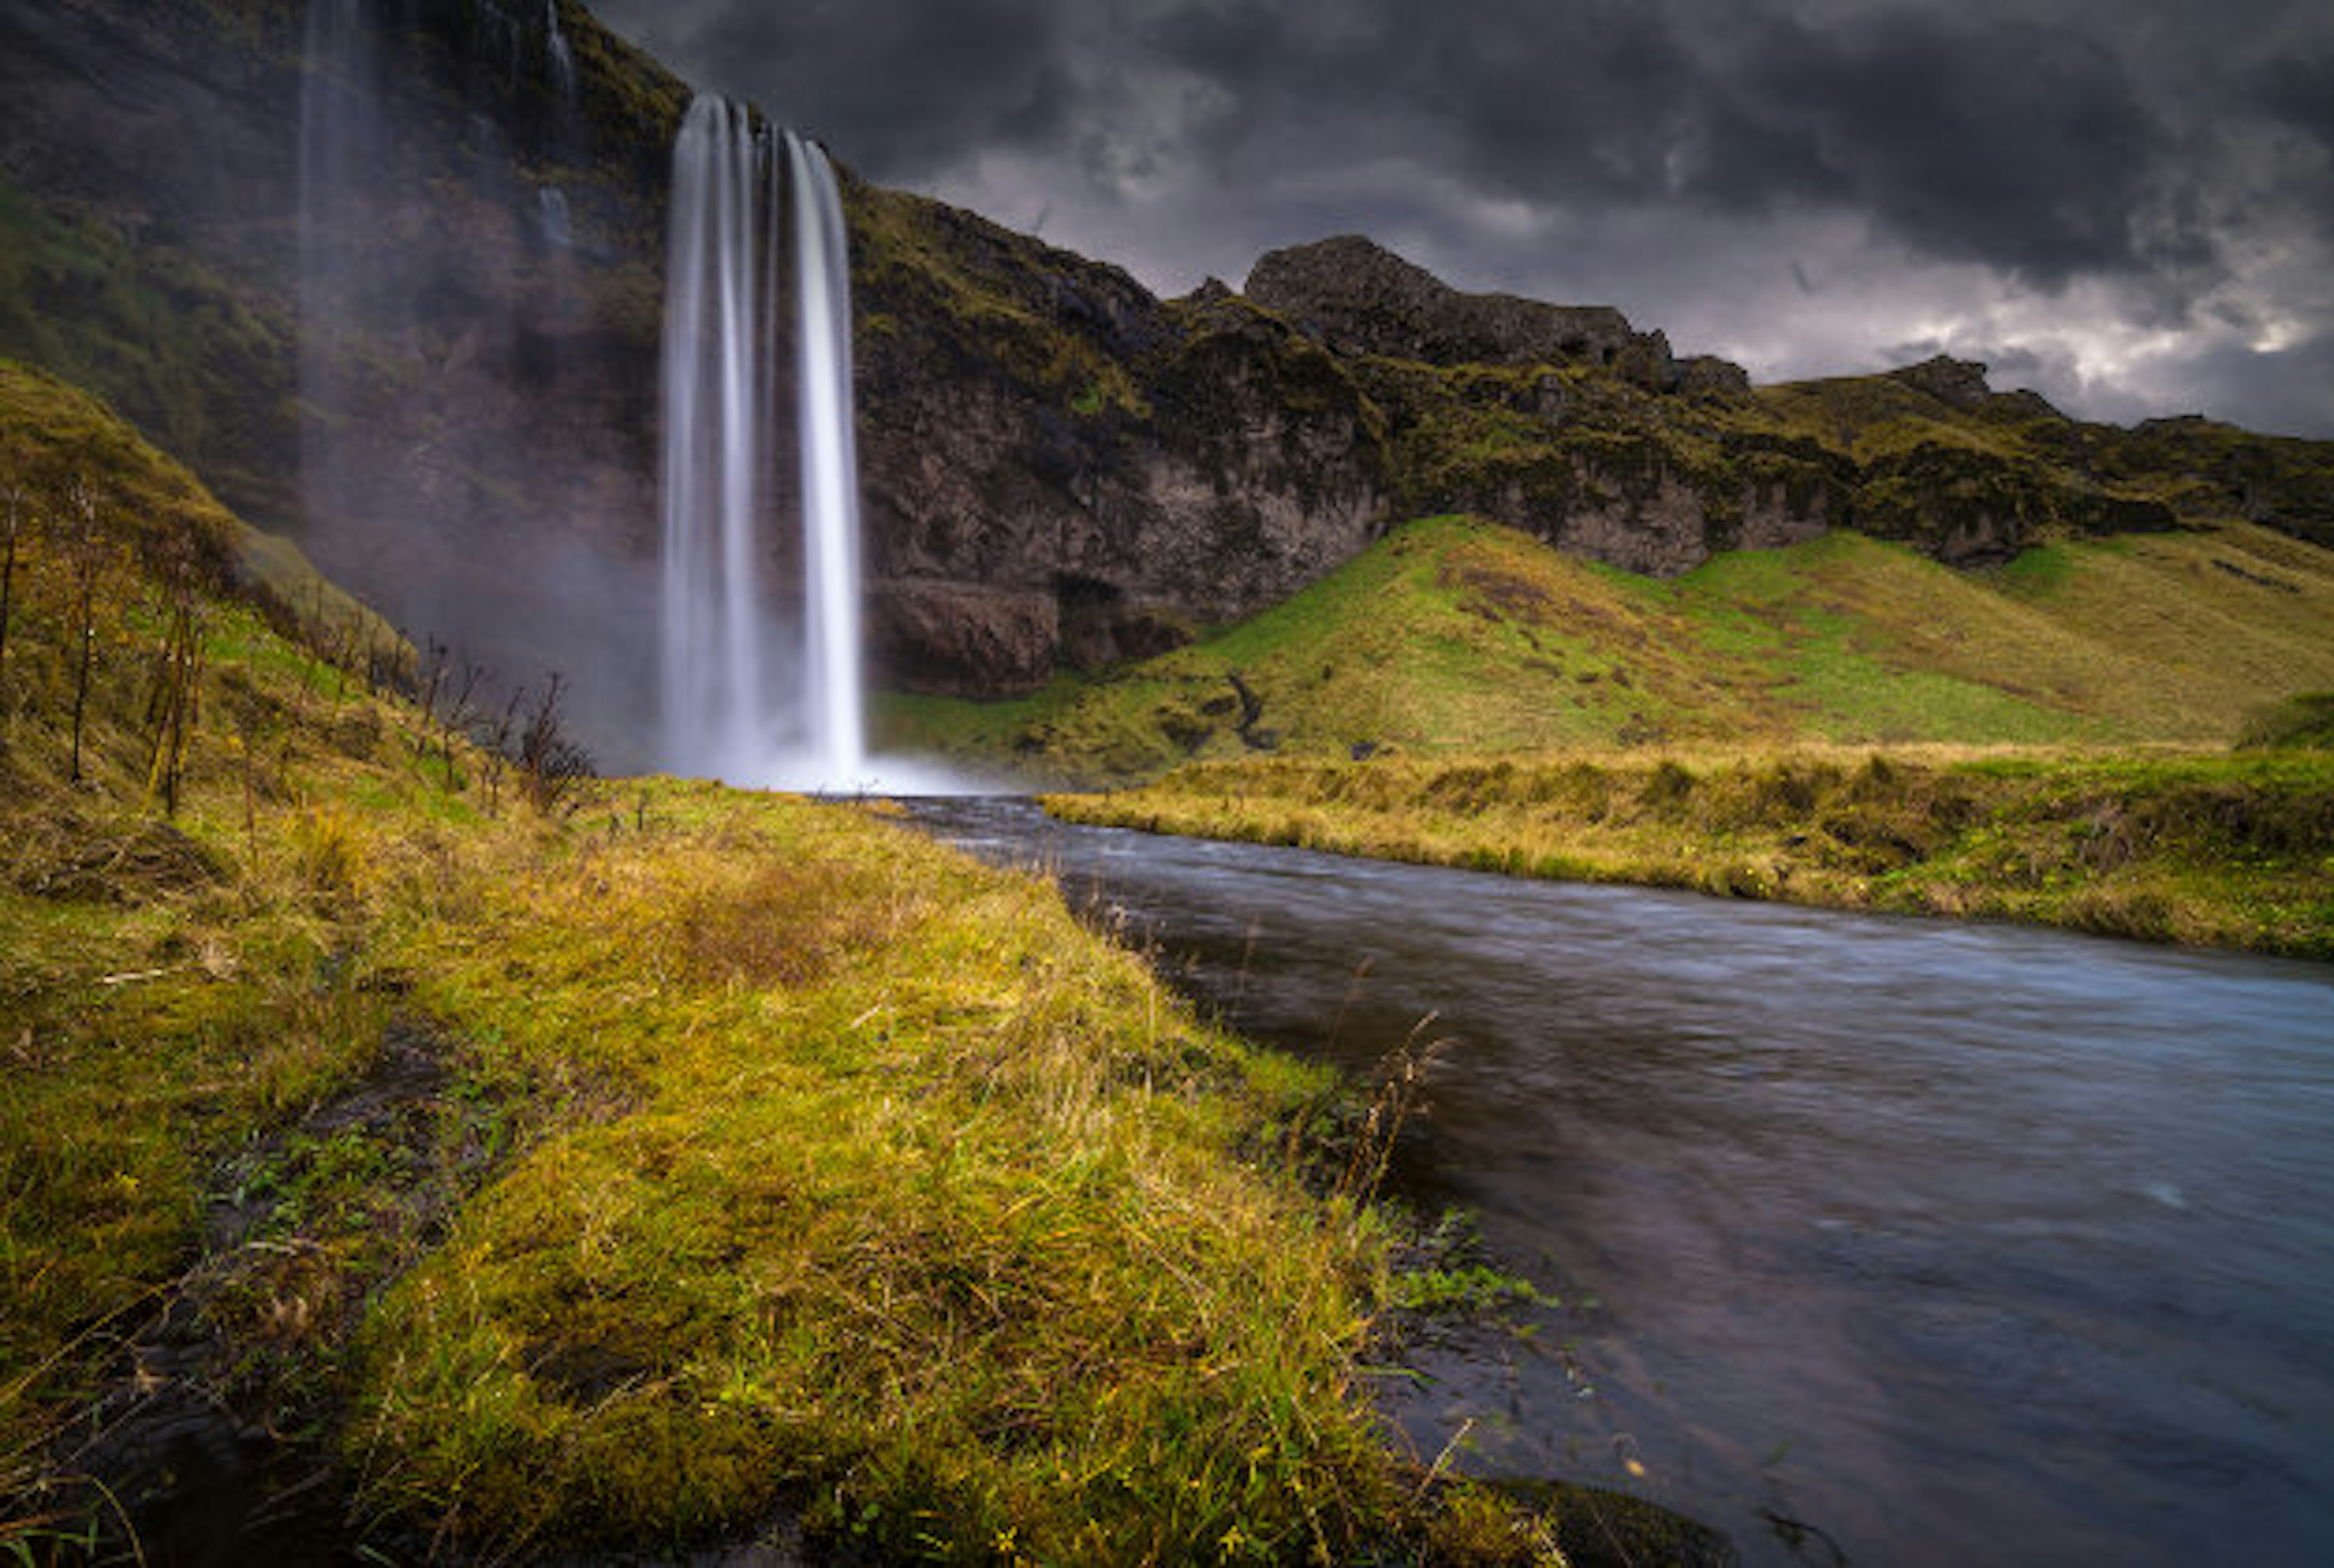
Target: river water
1878,1240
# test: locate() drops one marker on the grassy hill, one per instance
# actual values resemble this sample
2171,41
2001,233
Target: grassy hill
2056,730
543,1162
1455,635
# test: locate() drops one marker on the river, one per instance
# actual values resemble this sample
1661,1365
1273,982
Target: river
1878,1240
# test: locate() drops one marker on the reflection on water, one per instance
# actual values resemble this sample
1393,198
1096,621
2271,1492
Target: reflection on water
1934,1243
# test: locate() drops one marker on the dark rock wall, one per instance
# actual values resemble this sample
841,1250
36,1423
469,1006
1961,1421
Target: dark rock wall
1060,468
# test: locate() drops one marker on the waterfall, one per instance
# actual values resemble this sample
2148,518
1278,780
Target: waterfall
727,711
558,224
830,462
335,65
347,158
715,483
562,58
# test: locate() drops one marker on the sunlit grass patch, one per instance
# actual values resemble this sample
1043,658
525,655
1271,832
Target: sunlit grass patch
943,1241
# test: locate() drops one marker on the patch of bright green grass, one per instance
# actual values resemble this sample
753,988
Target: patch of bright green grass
1840,630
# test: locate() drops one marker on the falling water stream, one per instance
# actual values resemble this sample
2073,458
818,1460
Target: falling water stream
830,464
562,57
717,480
343,150
745,696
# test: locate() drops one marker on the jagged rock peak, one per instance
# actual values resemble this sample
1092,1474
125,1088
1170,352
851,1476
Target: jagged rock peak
1358,297
1961,383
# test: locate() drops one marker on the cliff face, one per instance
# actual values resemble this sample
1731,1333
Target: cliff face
1059,468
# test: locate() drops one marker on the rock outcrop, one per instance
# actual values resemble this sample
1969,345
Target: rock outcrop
1356,297
1061,470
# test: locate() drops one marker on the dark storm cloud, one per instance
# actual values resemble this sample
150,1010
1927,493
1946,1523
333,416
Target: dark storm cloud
1584,104
2296,95
897,86
2003,140
2284,391
1995,137
2301,93
2009,142
2145,168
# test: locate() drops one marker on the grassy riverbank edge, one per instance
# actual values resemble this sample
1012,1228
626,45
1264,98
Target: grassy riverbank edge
2204,848
773,1170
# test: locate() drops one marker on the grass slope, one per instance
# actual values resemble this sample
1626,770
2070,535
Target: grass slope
1452,635
596,1162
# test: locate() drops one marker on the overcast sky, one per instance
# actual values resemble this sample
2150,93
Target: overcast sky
2128,205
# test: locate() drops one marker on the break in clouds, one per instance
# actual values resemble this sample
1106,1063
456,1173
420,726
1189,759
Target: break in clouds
2127,205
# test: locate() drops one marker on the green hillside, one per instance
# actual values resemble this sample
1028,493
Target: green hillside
1453,635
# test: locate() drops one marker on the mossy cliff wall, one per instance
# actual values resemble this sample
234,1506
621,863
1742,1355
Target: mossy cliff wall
1060,468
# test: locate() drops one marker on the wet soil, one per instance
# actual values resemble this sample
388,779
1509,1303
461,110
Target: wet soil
216,1441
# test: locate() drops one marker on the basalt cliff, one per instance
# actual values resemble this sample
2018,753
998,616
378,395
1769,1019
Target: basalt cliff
1060,469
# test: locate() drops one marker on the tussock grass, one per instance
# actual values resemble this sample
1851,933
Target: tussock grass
769,1161
2233,850
947,1240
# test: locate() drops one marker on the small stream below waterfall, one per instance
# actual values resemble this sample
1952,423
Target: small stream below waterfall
1880,1240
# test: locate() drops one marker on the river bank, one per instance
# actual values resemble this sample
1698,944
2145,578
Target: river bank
1923,1242
2216,848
